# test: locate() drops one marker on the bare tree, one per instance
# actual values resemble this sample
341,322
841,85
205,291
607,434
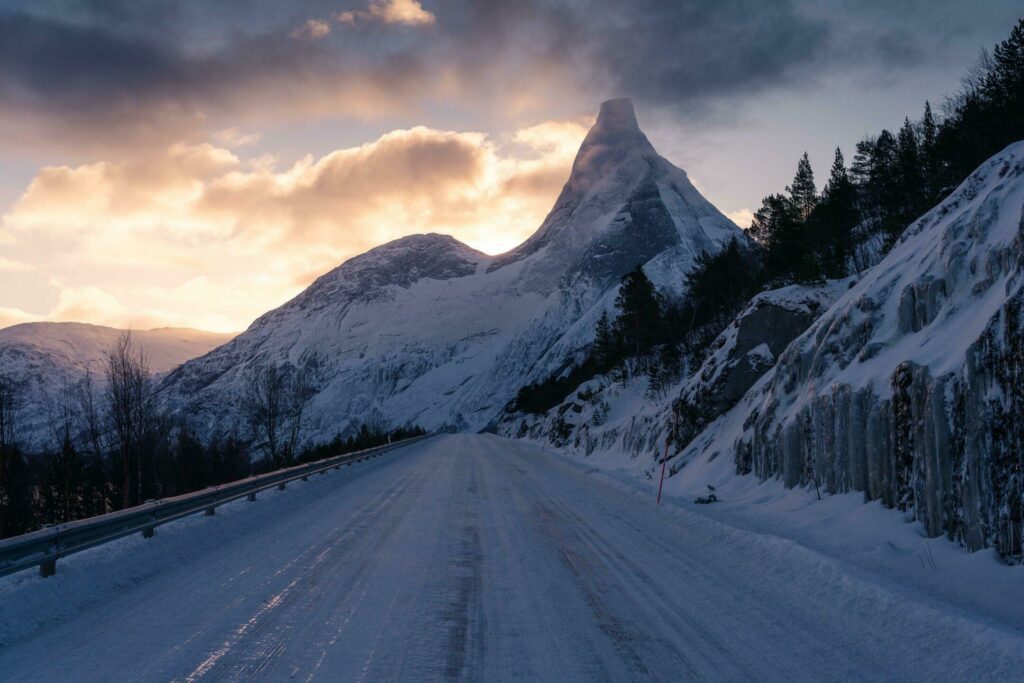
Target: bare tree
63,485
61,413
265,406
274,406
129,405
971,83
299,393
8,434
91,415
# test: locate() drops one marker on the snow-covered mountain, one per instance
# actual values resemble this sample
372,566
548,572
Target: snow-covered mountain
427,330
42,358
910,387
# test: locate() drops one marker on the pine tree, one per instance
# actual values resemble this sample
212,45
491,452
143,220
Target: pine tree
908,179
929,154
655,380
1004,89
605,351
803,194
671,362
863,162
882,190
838,177
720,284
836,218
1004,84
777,228
640,321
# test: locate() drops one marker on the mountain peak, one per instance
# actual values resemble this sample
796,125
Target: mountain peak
614,135
617,115
615,201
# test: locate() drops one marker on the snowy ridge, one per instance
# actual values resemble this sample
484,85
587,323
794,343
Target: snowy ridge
426,330
909,388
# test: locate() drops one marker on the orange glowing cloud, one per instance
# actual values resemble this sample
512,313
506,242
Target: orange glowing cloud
409,12
195,235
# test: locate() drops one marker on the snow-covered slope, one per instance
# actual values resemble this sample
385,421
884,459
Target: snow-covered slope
42,358
426,330
610,418
910,387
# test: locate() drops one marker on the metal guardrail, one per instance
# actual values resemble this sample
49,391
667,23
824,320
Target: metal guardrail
44,547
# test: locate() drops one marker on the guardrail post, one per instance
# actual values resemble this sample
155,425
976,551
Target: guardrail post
252,496
322,472
280,487
147,532
305,477
210,511
49,567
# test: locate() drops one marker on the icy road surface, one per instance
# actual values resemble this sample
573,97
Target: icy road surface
475,558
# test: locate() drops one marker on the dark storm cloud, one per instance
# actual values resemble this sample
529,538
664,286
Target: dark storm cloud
690,55
104,71
124,69
41,60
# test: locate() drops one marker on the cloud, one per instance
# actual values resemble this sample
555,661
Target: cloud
15,316
313,29
91,86
12,266
87,303
409,12
741,217
233,137
89,75
194,234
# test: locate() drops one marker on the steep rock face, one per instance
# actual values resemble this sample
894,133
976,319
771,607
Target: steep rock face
745,350
909,388
41,359
426,330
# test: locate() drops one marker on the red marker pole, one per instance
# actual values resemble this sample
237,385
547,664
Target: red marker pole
664,461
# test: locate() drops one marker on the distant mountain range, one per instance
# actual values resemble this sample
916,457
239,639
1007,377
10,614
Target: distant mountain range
42,358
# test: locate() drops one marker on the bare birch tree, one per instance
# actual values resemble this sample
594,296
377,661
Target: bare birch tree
129,405
265,405
274,406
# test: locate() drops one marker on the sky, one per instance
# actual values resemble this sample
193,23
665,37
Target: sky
195,164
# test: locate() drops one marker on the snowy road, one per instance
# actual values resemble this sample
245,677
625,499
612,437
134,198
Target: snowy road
474,558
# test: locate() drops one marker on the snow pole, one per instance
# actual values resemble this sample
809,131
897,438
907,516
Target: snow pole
664,461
